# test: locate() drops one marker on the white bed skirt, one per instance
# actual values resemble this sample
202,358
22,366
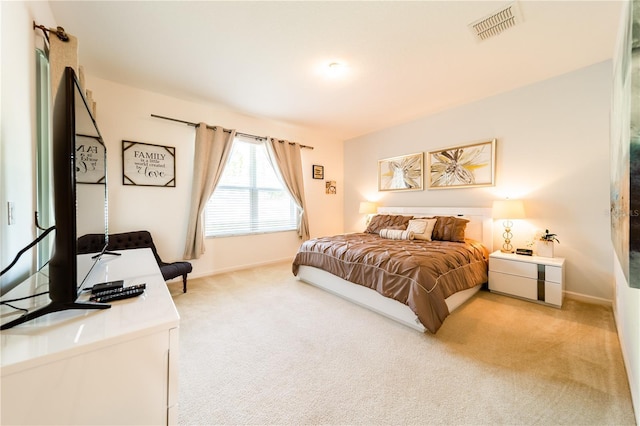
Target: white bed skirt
371,299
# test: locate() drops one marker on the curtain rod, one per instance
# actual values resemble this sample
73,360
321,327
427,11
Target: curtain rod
189,123
59,31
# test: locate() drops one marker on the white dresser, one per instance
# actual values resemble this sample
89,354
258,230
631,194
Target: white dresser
112,366
534,278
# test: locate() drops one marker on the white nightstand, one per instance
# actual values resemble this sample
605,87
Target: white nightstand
533,278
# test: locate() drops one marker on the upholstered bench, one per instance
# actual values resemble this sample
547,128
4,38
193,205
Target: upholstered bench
92,243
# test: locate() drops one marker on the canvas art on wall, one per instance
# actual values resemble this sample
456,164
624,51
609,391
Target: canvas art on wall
625,149
403,173
462,166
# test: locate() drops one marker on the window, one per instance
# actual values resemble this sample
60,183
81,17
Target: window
44,177
249,198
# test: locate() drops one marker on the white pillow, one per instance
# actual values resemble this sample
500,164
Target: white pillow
422,228
396,234
418,226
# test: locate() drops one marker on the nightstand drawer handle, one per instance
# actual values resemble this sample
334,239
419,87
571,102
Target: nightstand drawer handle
541,279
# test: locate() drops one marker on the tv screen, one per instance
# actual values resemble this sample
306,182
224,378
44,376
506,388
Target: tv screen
79,193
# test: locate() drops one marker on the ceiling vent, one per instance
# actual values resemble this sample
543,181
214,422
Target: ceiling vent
497,22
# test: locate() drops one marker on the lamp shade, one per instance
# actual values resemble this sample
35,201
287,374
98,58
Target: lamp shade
508,209
368,207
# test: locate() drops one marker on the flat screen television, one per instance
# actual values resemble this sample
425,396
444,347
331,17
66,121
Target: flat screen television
79,194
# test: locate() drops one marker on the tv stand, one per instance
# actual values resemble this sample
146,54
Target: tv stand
55,359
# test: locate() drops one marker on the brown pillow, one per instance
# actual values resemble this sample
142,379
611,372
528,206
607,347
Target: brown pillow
449,228
388,221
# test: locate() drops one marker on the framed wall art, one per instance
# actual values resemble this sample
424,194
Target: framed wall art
462,166
403,173
625,147
331,187
318,172
145,164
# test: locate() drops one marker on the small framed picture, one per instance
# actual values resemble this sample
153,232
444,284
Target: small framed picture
318,172
330,187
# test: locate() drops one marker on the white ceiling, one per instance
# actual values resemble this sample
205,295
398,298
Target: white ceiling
405,59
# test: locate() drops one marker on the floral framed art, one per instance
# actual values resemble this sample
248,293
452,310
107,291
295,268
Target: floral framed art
403,173
462,166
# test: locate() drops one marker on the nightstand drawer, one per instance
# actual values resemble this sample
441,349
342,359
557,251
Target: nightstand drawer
523,269
553,274
513,285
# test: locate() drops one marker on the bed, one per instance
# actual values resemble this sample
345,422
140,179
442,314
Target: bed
390,276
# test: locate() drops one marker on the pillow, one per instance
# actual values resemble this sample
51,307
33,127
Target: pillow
422,228
389,221
396,234
449,228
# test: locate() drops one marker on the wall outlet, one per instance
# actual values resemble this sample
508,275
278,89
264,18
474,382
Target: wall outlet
11,212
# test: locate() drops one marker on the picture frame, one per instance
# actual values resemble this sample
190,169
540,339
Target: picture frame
402,173
331,187
462,166
90,160
318,171
145,164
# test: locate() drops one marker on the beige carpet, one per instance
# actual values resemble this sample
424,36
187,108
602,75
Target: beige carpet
260,347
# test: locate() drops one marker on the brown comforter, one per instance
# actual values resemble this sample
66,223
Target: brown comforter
420,274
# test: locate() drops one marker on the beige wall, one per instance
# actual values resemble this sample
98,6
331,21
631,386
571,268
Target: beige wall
552,151
123,113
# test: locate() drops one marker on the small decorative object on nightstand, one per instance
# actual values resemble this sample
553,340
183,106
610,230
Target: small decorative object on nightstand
544,244
533,278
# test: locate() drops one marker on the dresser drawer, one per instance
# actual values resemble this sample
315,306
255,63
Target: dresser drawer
553,293
523,269
514,285
553,274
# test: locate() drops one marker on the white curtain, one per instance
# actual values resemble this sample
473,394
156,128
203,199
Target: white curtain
286,157
212,149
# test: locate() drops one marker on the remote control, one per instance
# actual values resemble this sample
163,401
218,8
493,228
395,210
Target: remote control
107,286
124,294
114,291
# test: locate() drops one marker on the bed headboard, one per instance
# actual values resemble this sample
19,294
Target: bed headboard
480,226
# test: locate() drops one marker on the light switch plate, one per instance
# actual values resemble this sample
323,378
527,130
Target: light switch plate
11,212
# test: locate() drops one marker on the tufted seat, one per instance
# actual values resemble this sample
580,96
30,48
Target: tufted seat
92,243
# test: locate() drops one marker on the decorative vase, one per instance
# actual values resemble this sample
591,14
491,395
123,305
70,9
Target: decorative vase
544,248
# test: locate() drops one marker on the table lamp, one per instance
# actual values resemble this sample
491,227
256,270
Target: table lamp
507,210
369,208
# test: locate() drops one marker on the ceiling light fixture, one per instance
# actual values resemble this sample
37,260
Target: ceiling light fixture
336,69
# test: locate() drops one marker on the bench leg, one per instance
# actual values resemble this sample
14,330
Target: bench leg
184,283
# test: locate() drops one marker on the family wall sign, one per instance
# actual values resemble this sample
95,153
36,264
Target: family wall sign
148,165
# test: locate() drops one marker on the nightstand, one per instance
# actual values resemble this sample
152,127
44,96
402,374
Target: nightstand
534,278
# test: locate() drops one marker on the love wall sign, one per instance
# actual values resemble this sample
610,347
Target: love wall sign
148,165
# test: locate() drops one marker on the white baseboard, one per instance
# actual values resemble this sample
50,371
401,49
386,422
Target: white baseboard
588,299
236,268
